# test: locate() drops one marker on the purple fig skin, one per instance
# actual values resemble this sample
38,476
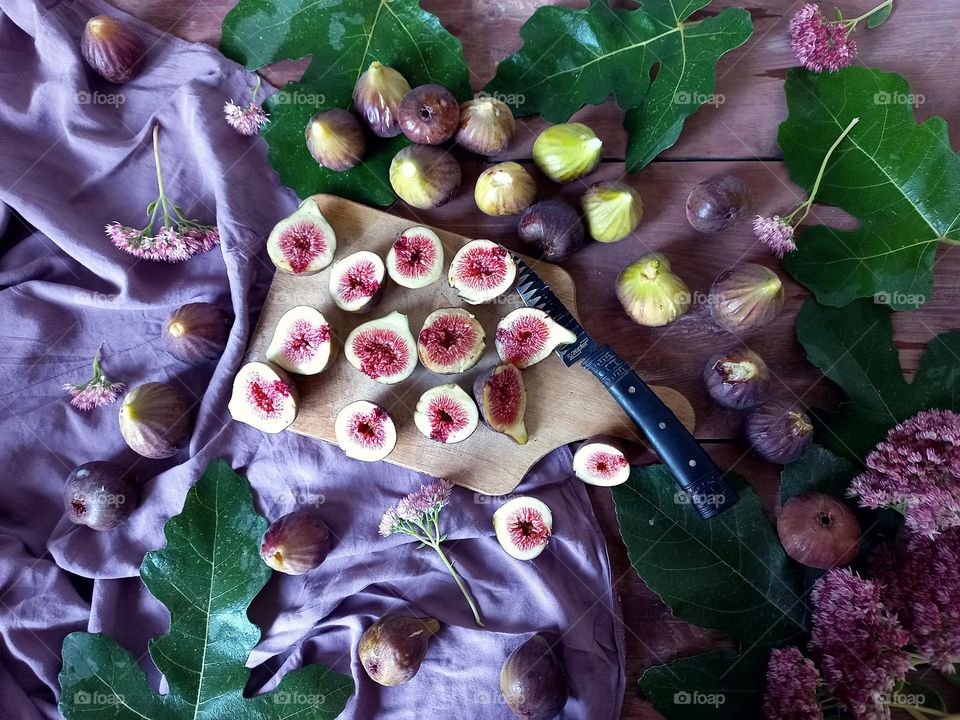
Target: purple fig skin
197,333
429,114
819,531
737,379
100,495
553,228
718,204
778,432
112,48
533,681
296,543
156,420
746,297
392,649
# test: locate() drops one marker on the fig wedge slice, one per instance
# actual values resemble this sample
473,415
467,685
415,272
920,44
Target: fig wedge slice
503,401
303,342
383,349
526,336
302,243
264,397
482,271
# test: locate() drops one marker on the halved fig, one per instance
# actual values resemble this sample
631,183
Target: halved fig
523,526
446,414
264,397
451,341
303,342
356,281
503,401
303,243
365,431
526,336
416,258
601,462
383,349
481,271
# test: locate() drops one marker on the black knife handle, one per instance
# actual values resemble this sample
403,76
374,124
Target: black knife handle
694,470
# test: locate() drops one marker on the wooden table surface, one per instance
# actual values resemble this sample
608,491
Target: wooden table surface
736,134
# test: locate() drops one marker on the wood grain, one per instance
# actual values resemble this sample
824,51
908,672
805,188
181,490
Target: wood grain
487,461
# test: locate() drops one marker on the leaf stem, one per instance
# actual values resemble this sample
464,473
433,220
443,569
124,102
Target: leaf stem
851,23
460,584
808,203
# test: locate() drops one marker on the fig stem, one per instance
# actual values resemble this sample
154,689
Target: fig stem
460,584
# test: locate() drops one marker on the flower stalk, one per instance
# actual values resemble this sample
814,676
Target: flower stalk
178,238
246,119
418,515
97,391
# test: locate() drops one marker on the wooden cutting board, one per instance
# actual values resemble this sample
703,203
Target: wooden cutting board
564,404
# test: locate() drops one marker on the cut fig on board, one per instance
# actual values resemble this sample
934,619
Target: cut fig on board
503,401
601,462
415,259
482,271
451,341
365,431
303,342
356,281
264,397
523,526
303,243
446,414
383,349
526,336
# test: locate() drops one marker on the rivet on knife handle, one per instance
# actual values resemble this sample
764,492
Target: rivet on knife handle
694,470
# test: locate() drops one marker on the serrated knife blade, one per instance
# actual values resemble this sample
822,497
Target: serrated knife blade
692,468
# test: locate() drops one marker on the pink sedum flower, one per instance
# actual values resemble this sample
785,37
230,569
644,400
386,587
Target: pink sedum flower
776,234
792,682
820,44
246,120
857,643
920,580
916,470
96,392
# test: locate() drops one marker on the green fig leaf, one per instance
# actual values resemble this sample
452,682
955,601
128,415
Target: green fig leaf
206,575
817,470
571,58
853,346
880,16
898,177
713,686
342,38
729,573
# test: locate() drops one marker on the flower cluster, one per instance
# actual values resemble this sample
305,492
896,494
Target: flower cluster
178,239
776,234
246,119
821,44
96,392
418,515
792,682
857,643
920,580
917,471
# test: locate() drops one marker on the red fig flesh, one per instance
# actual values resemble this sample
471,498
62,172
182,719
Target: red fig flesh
383,350
523,527
416,258
303,243
451,341
365,431
527,335
601,463
356,281
446,414
264,397
502,398
303,342
482,271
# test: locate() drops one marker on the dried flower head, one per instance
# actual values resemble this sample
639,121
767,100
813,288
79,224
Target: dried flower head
857,643
920,581
776,234
96,392
792,682
821,44
246,120
389,522
916,470
178,239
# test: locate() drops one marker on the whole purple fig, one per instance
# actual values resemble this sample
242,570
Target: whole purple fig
100,495
392,649
533,681
296,543
196,333
112,48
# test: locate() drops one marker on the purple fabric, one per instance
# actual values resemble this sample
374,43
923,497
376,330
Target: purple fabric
74,158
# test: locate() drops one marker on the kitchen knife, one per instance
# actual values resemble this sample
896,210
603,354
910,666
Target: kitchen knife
694,470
